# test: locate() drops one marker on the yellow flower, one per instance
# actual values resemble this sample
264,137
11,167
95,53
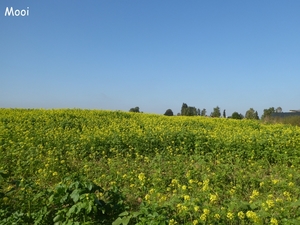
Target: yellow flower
275,181
241,215
195,222
217,216
213,198
147,197
203,217
252,215
232,191
273,221
206,211
270,203
186,197
230,215
255,193
142,177
196,208
54,173
172,222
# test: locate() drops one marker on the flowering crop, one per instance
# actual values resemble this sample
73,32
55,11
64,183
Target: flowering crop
172,170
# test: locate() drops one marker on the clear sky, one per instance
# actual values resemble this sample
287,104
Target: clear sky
154,54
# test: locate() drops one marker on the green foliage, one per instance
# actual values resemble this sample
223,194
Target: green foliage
267,113
72,201
251,114
188,110
203,112
237,116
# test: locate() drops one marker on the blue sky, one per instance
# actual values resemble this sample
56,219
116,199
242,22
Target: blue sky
155,54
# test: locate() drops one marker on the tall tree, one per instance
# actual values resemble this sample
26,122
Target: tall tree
256,115
224,113
216,112
184,109
198,112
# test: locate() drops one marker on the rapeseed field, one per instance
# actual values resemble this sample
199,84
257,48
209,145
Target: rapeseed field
74,166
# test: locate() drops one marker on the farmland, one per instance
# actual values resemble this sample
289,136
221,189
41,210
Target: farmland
73,166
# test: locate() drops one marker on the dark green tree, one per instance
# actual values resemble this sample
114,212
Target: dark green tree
184,109
191,111
256,115
203,112
216,112
169,112
198,112
188,110
267,113
224,113
136,109
237,116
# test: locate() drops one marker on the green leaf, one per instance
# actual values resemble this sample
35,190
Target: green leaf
71,211
118,221
136,214
90,206
57,218
124,214
123,221
89,186
75,195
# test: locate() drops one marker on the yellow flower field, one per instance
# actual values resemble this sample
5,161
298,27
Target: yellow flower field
73,166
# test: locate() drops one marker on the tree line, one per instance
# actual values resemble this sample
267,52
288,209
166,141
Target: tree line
193,111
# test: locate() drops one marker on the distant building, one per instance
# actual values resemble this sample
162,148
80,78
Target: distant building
293,110
286,114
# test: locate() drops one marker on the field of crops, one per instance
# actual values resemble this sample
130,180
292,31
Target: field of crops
73,166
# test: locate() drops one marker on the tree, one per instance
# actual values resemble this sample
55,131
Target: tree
251,114
169,112
256,115
237,116
224,113
136,109
267,113
188,110
203,112
191,111
216,112
198,112
183,109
